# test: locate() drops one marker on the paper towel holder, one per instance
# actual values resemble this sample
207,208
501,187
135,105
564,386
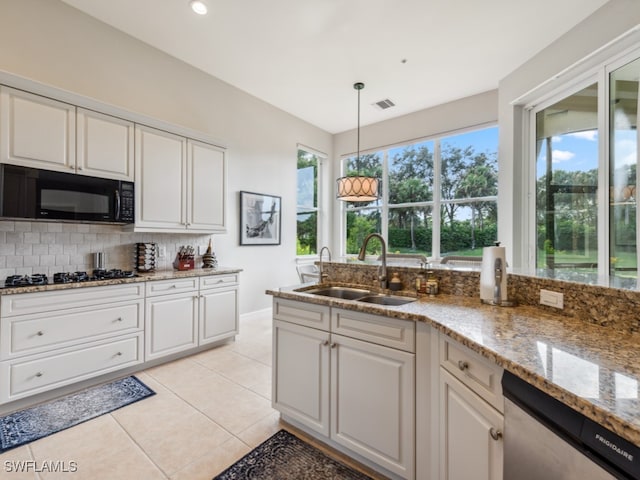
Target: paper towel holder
499,269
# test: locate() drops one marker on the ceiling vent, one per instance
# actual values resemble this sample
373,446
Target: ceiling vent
384,104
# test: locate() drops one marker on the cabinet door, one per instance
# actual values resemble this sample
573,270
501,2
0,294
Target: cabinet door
170,324
467,427
372,402
105,145
161,179
206,188
301,374
218,314
36,131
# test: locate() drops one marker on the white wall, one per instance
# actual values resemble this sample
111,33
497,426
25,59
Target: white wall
612,20
54,44
473,111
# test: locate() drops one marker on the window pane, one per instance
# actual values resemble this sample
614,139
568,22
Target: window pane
566,183
623,163
307,203
410,230
411,173
467,227
470,164
361,223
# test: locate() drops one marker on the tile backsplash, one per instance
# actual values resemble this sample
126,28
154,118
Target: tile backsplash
41,247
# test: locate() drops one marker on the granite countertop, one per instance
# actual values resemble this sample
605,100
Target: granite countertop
592,368
141,277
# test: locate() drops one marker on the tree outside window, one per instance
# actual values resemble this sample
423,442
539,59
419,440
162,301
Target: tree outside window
307,203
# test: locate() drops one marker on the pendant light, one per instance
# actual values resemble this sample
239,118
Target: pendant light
358,188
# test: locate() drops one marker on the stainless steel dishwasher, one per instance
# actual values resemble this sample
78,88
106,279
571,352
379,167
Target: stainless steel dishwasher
546,440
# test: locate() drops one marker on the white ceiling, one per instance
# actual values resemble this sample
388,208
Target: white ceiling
303,56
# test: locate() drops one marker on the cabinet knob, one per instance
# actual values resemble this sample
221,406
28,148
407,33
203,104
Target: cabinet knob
118,354
173,286
325,343
40,333
334,345
462,365
119,319
495,434
80,168
39,374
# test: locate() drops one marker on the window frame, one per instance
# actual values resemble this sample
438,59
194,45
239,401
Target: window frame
437,201
321,161
598,70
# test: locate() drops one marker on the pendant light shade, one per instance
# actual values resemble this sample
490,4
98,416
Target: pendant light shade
358,188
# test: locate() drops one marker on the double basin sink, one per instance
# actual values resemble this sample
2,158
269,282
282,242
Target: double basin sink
360,295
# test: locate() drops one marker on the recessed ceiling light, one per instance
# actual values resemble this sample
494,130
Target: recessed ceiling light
199,7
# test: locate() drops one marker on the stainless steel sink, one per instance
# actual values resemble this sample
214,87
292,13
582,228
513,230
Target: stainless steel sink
344,293
386,299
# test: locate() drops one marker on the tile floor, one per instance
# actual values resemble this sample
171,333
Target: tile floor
209,410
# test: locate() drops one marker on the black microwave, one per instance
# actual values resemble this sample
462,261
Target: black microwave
31,193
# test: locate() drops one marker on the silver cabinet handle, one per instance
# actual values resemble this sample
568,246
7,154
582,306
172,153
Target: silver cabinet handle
119,319
39,374
495,434
40,333
118,354
334,345
173,286
463,365
325,343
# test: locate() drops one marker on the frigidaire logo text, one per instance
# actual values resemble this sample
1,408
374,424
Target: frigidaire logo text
614,447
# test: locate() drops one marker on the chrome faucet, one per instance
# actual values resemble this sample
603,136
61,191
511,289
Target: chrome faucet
382,270
324,276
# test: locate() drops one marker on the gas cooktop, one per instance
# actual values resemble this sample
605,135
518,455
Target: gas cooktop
67,277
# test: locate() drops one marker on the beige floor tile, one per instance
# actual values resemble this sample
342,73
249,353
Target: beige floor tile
18,464
237,413
213,463
261,430
179,372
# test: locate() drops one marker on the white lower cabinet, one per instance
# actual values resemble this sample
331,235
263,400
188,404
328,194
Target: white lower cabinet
470,434
357,393
52,339
182,314
218,308
470,424
171,324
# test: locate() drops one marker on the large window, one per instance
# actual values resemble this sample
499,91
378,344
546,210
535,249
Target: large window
439,196
585,181
307,203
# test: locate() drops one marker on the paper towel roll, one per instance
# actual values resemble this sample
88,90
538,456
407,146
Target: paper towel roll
488,273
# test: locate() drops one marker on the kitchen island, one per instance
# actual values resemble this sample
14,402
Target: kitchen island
593,368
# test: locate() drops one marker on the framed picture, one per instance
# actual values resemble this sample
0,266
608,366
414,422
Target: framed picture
259,219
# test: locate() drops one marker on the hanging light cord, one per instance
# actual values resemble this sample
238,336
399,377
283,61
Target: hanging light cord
358,86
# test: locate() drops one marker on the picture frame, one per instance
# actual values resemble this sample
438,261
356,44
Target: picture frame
260,219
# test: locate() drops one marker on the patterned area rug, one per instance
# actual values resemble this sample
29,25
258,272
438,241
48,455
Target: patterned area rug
40,421
285,457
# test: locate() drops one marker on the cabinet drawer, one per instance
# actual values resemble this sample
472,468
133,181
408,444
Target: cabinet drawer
39,302
390,332
26,334
178,285
302,313
45,372
214,281
476,372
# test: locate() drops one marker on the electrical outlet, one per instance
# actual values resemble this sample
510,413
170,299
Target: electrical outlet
162,251
552,299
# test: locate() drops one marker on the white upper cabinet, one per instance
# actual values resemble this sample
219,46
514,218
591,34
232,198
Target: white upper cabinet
104,146
206,187
161,179
180,183
36,131
39,132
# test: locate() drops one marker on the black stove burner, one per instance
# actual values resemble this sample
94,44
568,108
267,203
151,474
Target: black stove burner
70,277
26,280
114,273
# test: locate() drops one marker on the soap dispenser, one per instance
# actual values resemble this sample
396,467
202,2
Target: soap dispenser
395,284
421,280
